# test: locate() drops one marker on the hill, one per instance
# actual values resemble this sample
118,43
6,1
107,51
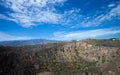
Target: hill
87,57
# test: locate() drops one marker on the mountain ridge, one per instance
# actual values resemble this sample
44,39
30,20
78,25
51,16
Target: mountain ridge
26,42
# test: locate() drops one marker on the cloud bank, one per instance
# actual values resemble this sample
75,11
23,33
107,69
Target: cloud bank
62,35
7,37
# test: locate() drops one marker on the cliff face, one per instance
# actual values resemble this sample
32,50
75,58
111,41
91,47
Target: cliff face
86,51
68,58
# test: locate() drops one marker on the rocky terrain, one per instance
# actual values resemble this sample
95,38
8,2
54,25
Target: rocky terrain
87,57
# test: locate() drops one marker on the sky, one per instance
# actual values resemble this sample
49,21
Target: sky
59,19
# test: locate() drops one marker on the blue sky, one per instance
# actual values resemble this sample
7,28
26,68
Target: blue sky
59,19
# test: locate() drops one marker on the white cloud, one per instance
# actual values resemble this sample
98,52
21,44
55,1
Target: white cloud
34,12
71,17
85,34
111,5
97,20
30,12
6,37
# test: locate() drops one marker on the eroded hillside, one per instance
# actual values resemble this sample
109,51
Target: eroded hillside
66,58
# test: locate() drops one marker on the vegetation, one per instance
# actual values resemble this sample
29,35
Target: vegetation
64,58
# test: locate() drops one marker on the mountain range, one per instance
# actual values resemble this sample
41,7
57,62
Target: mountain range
26,42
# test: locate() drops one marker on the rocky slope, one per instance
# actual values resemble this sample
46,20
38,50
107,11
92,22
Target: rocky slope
65,58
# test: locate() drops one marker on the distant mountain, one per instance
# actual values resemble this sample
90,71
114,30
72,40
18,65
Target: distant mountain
25,42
